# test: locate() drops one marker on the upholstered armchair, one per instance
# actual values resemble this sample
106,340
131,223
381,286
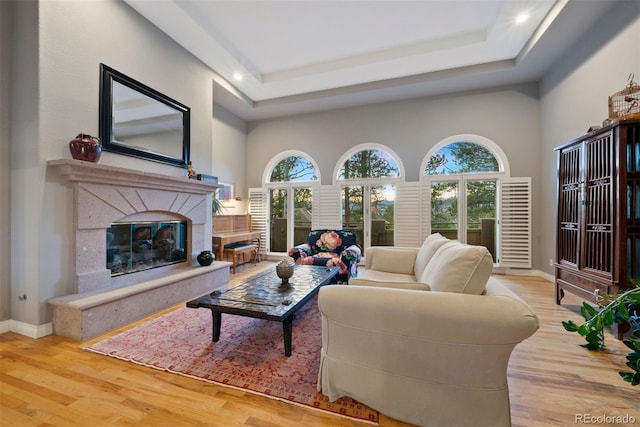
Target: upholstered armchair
331,248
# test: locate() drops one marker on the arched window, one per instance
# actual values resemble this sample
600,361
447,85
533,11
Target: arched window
368,164
464,175
289,179
367,176
462,157
293,169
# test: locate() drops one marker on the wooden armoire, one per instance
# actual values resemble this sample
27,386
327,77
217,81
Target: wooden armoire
598,219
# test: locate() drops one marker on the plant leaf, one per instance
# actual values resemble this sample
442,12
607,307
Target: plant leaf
622,310
583,330
619,308
629,377
633,345
595,340
608,317
570,326
634,361
587,311
592,347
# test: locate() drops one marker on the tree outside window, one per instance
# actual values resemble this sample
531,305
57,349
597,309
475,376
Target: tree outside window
293,169
451,162
461,157
290,201
368,202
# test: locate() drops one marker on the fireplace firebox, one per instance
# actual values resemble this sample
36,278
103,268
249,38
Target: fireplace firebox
109,204
140,245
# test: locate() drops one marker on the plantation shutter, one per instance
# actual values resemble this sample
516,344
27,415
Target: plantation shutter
258,210
408,214
425,204
327,207
515,223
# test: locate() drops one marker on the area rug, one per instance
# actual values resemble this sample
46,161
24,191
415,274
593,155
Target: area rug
248,356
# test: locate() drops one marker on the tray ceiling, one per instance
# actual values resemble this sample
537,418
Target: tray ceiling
299,56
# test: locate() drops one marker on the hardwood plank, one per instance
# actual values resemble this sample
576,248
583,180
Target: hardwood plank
52,381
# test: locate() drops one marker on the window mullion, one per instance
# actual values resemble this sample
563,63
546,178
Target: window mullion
290,216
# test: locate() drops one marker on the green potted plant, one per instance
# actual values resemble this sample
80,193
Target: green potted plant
620,308
207,257
216,205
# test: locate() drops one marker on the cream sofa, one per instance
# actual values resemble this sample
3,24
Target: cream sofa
432,347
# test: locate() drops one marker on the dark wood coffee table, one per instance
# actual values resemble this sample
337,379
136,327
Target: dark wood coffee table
265,297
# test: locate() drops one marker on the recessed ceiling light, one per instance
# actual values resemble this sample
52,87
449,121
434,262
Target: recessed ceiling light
237,77
523,17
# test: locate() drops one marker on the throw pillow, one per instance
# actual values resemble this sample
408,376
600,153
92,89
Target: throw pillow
426,252
457,267
334,241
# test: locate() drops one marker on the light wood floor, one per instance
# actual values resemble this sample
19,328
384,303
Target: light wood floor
53,382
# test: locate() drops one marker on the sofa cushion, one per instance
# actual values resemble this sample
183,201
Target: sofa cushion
456,267
398,260
427,250
384,276
388,280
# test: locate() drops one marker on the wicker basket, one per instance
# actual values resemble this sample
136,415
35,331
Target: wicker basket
626,103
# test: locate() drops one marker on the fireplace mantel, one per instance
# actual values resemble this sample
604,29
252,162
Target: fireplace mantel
81,171
104,194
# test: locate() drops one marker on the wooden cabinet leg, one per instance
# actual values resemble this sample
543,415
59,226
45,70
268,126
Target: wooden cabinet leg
619,329
559,294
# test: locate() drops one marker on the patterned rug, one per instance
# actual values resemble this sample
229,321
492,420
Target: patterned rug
249,355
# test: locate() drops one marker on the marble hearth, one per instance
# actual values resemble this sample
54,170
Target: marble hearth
105,194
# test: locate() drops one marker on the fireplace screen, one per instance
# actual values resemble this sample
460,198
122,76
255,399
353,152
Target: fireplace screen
137,246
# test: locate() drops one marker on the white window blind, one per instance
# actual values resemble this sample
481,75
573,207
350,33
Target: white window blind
327,209
258,210
515,223
409,211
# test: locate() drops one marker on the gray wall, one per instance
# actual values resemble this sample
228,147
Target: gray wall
229,155
526,125
6,30
574,96
58,46
509,116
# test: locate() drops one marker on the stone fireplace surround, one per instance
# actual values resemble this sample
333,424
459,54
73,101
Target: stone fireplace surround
104,194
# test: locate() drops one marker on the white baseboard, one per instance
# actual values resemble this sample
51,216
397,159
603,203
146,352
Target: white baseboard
548,277
26,329
524,272
5,326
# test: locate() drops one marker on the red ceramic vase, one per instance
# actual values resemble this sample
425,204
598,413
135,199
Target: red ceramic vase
85,147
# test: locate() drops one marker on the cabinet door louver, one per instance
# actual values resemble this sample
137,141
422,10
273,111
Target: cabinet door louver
515,223
569,189
598,206
326,207
632,208
408,215
257,208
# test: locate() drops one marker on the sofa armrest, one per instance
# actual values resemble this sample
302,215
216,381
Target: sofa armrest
495,319
353,252
303,250
394,259
350,257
